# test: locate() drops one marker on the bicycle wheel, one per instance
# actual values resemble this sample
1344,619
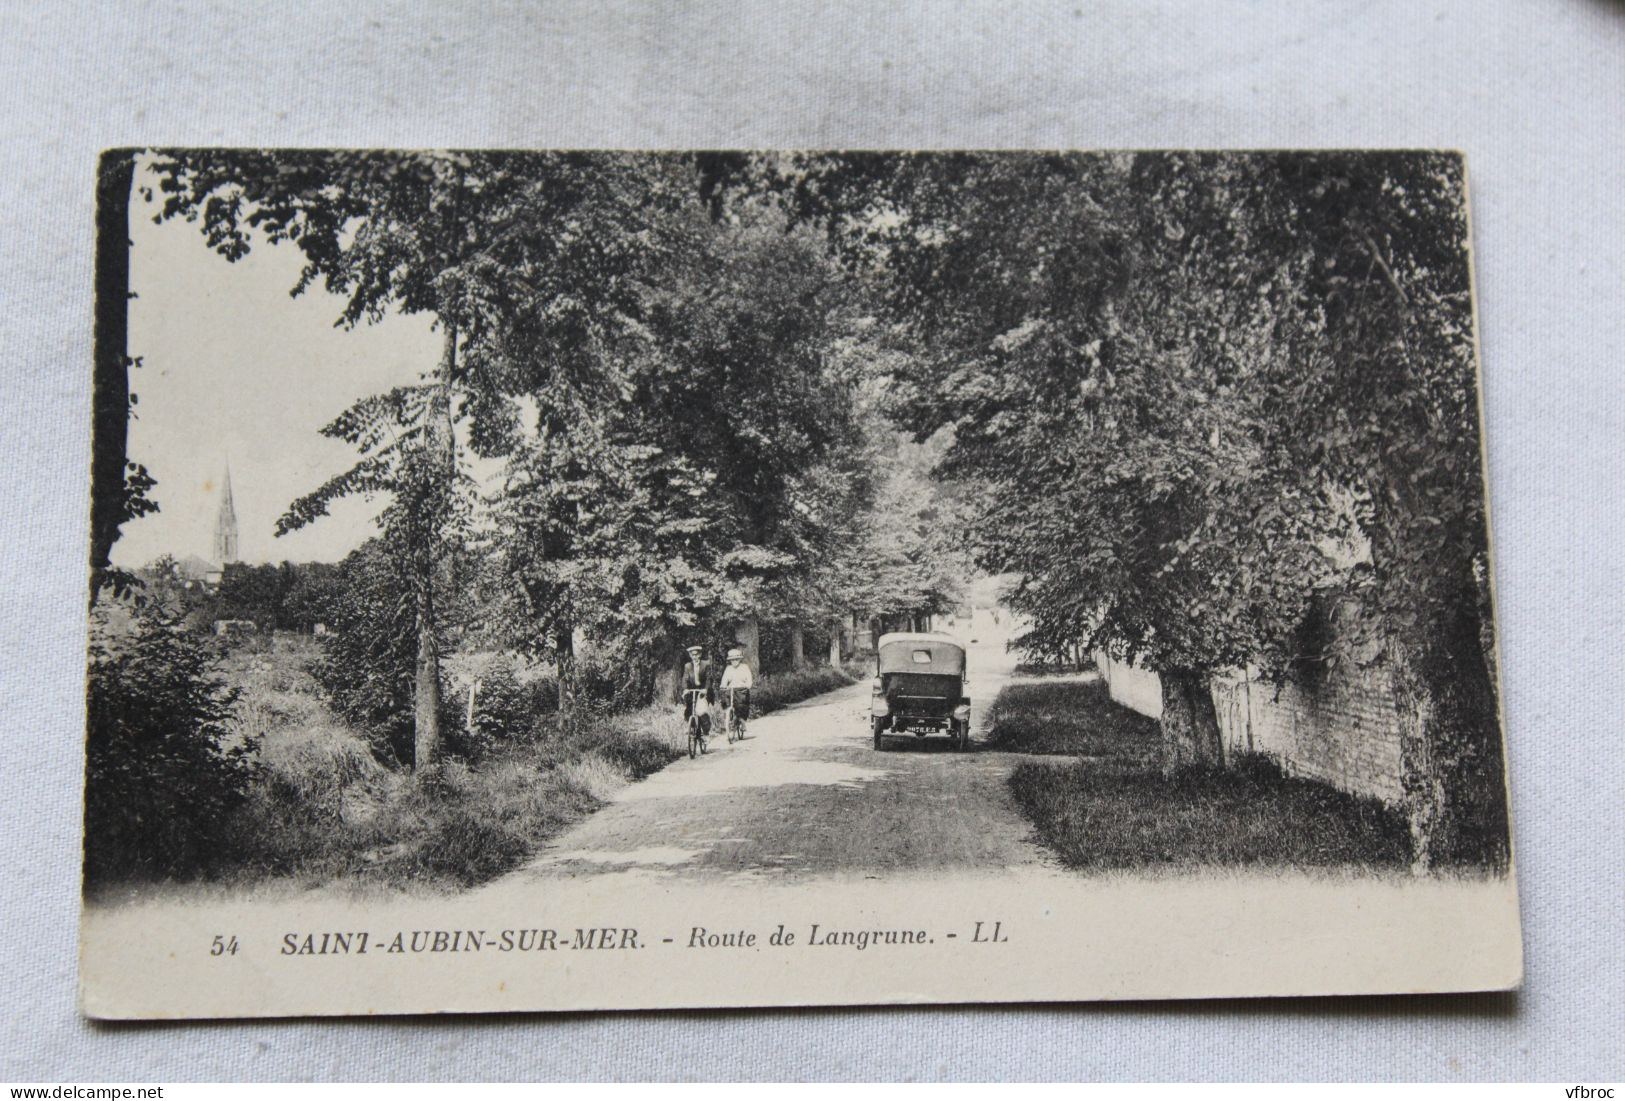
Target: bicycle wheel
693,738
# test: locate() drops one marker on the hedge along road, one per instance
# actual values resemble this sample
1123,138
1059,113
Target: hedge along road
807,795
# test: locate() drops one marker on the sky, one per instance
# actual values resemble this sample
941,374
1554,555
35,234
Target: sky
235,371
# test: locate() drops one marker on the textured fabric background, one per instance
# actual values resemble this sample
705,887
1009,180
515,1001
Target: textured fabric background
1533,92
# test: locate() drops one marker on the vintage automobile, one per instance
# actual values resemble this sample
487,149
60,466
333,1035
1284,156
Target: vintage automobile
919,688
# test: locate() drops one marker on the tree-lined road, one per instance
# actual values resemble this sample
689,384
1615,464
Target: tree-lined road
1216,411
807,794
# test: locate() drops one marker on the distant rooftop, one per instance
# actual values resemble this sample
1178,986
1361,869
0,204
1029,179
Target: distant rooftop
194,568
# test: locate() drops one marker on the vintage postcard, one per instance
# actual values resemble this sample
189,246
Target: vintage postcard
608,580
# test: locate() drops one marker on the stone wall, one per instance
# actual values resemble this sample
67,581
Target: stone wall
1344,729
1135,688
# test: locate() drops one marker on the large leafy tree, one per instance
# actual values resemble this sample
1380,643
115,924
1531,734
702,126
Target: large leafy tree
1386,406
705,488
1150,504
1080,344
761,335
1207,398
519,258
606,533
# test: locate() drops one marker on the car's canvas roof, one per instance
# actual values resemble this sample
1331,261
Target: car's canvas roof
947,654
904,636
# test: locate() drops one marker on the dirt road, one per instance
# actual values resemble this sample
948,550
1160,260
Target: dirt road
807,795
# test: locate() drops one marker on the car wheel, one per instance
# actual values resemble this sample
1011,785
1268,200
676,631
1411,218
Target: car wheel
875,723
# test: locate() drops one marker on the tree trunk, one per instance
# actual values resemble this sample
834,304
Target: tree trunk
1419,776
1450,750
798,647
1474,765
111,400
426,687
432,505
835,631
748,634
1190,726
564,658
668,672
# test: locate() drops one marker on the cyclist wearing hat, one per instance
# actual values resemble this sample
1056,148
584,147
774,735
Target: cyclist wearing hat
697,678
737,681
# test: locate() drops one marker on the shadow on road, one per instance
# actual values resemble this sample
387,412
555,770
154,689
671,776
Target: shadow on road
929,745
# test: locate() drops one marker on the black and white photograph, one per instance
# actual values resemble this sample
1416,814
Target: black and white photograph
547,580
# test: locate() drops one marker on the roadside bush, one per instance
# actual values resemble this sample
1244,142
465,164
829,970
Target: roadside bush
470,844
604,683
504,710
479,821
773,643
164,770
610,682
857,669
776,690
316,772
369,662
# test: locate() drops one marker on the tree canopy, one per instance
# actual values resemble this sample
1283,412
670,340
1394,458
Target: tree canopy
1206,398
1195,401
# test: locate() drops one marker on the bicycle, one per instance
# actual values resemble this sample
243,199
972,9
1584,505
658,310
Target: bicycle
696,726
732,724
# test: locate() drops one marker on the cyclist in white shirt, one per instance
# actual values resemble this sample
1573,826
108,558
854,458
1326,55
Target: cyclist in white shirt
736,684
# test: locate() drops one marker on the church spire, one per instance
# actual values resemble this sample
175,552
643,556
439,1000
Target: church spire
225,524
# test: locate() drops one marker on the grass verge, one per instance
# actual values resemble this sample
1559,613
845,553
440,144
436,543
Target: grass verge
1074,717
325,809
1250,815
1115,809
